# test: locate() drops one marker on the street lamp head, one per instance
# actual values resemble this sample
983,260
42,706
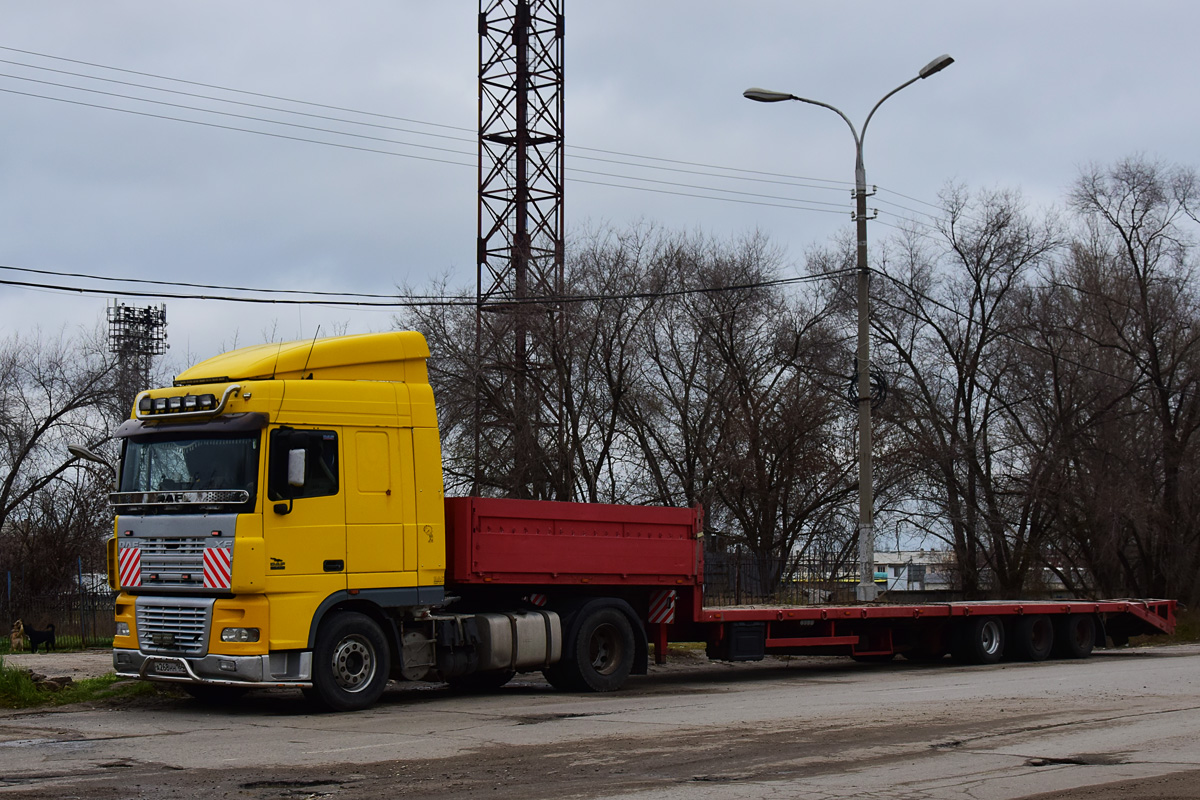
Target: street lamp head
766,95
937,65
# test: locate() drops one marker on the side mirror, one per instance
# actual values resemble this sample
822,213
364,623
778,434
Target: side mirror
295,469
297,461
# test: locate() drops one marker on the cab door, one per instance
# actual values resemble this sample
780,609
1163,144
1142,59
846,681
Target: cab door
304,522
377,510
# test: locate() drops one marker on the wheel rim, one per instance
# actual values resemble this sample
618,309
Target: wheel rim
989,638
605,649
353,663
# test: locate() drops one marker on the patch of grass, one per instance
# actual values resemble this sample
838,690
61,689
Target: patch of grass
1187,629
1187,626
18,689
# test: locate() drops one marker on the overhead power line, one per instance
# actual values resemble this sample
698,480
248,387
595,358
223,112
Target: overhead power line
705,170
378,301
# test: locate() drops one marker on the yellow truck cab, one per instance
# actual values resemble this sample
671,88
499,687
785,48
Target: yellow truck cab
270,489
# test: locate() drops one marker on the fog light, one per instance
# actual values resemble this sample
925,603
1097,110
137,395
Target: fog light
122,629
239,635
228,666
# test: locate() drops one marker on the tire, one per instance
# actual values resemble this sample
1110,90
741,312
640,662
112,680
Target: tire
1074,636
481,682
979,641
600,655
214,695
1033,638
350,663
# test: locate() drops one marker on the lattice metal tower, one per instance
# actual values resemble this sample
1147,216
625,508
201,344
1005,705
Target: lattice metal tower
135,336
520,246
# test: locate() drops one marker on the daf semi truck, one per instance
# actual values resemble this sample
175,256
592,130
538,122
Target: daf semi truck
280,521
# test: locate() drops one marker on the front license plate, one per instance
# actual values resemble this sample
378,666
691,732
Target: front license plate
167,668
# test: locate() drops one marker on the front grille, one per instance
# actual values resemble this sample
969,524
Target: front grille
176,625
173,561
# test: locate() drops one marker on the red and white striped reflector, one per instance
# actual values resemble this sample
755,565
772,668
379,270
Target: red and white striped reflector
538,600
218,569
662,606
129,566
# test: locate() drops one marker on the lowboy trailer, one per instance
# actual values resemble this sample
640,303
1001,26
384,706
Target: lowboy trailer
280,521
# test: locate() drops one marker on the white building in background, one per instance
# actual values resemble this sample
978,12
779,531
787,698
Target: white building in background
915,570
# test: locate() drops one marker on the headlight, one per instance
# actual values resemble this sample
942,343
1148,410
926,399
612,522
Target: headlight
239,635
122,629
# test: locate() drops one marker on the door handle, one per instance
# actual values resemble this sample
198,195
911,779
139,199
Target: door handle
335,565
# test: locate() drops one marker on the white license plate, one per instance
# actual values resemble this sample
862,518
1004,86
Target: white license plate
168,668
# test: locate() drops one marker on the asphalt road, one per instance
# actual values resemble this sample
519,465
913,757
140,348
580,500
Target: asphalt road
812,728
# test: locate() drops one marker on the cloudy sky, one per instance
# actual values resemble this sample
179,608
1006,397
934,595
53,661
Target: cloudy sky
1038,90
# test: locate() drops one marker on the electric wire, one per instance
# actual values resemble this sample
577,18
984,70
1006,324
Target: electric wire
394,301
793,205
774,177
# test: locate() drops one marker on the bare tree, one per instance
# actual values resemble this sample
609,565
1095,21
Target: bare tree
53,391
952,317
1136,480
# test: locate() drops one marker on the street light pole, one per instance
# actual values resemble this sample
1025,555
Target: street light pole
866,590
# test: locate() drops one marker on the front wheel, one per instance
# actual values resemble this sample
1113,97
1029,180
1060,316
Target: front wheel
350,663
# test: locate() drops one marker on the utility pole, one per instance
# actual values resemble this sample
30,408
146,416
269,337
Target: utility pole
866,591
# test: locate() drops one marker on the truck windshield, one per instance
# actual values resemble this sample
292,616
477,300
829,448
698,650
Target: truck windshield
190,463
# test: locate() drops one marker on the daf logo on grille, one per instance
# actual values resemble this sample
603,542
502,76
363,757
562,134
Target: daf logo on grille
163,639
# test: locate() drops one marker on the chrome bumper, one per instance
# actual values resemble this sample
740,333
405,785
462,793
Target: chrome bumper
275,669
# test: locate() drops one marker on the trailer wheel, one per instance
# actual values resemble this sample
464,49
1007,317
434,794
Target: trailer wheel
600,656
1033,638
1074,636
350,663
481,682
979,641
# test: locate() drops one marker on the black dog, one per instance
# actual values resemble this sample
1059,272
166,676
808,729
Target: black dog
45,637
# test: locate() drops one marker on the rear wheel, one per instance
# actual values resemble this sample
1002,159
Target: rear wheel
979,641
1033,638
1074,636
600,656
350,663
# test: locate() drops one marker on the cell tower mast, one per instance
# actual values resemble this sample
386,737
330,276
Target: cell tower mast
135,337
520,245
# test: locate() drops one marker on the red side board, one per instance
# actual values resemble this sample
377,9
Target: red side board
540,542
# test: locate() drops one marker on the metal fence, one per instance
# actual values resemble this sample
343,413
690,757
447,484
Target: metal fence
739,577
80,618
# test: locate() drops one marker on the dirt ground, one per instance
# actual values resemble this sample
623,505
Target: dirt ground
74,664
617,763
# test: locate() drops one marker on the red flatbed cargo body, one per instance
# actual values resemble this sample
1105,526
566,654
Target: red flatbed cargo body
539,542
657,551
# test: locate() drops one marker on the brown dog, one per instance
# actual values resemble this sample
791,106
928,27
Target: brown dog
16,639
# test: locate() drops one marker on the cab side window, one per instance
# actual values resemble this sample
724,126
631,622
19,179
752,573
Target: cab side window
320,463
